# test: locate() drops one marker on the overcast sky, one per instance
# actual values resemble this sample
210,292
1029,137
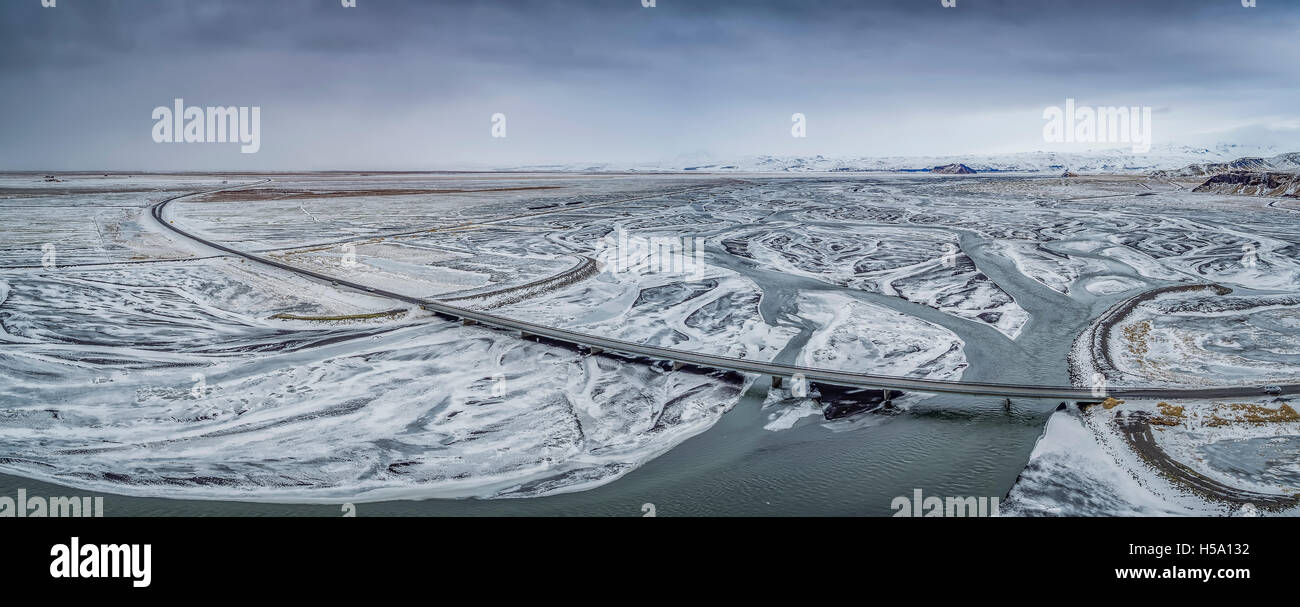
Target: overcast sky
409,84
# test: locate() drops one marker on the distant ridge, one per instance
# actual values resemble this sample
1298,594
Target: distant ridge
1172,159
1289,162
1253,183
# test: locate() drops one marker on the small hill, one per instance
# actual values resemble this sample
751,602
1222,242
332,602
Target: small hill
953,169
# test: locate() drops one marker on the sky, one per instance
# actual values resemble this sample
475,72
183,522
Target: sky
414,85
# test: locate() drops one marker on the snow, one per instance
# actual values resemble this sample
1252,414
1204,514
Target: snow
1075,470
1082,466
109,399
1204,339
857,336
881,273
1111,161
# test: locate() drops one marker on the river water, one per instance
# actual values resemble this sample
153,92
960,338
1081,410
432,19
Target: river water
946,445
943,445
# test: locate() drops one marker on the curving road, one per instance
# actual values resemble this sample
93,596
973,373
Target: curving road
1136,428
710,361
585,268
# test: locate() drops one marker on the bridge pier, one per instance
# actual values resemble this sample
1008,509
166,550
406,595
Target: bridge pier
593,350
467,322
677,366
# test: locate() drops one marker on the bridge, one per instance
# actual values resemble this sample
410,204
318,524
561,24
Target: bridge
678,358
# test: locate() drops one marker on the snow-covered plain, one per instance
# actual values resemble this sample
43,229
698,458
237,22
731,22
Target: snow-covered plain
174,382
1203,339
176,378
1083,466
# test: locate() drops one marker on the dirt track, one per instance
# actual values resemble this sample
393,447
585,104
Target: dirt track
1099,333
1137,430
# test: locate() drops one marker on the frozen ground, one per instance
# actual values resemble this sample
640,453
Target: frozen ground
1204,457
172,381
84,219
1084,466
174,377
851,332
1203,339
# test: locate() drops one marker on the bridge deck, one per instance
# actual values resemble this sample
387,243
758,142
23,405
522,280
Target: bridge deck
838,378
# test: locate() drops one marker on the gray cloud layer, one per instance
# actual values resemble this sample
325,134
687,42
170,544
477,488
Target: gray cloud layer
410,84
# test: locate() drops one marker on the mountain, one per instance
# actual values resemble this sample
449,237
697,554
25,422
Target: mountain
1282,162
1171,159
1253,183
953,169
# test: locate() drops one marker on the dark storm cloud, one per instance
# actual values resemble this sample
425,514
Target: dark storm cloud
553,34
411,83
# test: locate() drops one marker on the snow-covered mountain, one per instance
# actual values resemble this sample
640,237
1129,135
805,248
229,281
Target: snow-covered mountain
1160,158
1289,162
1253,183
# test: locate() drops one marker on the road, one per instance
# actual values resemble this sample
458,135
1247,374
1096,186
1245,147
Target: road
710,361
585,268
1136,428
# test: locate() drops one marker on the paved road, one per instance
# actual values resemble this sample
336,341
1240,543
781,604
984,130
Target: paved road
709,361
585,268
